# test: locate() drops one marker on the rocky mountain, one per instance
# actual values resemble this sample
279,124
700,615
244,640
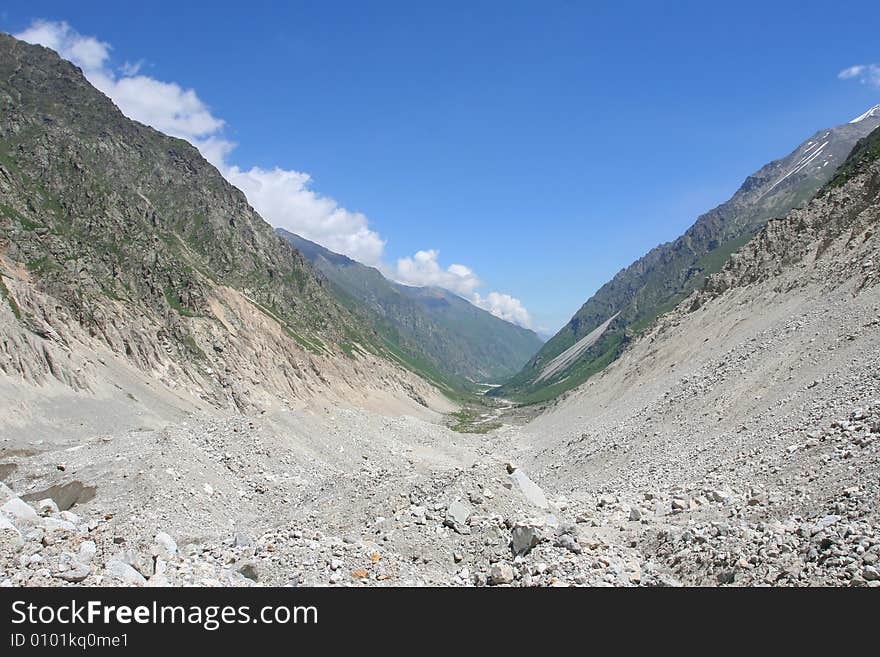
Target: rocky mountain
434,330
123,248
655,283
737,441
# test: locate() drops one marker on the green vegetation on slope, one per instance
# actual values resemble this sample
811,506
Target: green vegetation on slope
469,420
120,211
866,150
7,295
438,334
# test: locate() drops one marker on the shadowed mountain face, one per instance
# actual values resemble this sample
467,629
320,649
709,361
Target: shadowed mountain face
668,273
446,334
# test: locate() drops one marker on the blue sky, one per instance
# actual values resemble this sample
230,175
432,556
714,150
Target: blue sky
535,147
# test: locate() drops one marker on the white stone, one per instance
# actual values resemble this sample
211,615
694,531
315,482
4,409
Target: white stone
167,545
47,506
87,551
76,573
529,489
125,573
17,510
500,573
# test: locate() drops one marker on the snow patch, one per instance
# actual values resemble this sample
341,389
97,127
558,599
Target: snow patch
874,111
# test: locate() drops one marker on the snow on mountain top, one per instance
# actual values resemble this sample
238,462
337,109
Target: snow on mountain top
874,111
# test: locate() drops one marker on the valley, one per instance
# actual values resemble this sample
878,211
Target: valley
191,397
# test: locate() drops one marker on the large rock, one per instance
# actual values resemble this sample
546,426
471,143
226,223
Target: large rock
500,573
87,551
524,536
55,525
824,523
125,573
18,511
529,489
457,515
77,572
165,546
569,542
47,506
144,565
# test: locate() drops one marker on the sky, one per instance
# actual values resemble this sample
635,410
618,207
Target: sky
517,153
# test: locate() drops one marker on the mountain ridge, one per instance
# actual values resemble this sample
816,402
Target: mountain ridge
116,236
462,342
666,274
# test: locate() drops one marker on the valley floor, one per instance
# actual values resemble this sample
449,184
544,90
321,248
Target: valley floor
235,501
729,447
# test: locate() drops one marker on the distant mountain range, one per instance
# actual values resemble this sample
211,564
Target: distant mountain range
658,281
435,331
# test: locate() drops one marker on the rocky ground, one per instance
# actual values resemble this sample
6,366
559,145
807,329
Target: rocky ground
217,502
752,458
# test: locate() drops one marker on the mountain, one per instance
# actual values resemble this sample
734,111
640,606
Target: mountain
123,248
655,283
445,335
748,417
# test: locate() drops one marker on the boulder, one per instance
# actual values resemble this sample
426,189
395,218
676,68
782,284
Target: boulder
18,511
524,536
529,489
144,565
500,573
77,572
457,515
87,551
824,523
47,506
125,573
569,542
166,547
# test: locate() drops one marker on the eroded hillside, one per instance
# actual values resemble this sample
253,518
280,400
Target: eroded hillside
126,257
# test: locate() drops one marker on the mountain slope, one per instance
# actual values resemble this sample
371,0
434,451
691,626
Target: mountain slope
740,434
658,281
449,336
120,241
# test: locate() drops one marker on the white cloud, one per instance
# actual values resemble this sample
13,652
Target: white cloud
423,269
868,74
163,105
283,197
86,52
505,307
131,68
